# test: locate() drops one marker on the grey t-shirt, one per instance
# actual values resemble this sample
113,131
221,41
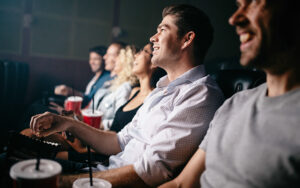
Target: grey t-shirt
254,141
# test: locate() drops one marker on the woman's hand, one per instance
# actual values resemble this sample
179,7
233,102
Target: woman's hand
62,90
56,107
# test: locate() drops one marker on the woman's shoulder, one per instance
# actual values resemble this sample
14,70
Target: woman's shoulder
133,91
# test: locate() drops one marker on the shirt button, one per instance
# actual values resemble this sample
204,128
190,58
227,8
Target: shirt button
165,92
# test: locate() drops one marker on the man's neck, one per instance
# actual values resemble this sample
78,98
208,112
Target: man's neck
283,83
112,74
177,69
98,74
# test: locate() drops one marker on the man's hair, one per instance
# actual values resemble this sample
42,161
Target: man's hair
190,18
156,75
119,44
101,50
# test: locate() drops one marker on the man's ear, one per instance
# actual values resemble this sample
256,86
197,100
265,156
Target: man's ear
188,39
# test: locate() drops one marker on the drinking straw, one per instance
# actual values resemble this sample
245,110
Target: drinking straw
90,168
93,103
89,152
37,165
73,92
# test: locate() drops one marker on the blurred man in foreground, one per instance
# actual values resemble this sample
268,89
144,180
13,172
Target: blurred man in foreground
253,140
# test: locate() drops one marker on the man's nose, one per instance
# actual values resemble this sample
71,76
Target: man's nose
238,18
153,38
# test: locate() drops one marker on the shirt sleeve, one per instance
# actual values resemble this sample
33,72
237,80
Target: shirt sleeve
203,144
178,137
118,98
123,95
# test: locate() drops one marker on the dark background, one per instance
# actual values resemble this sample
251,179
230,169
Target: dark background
53,38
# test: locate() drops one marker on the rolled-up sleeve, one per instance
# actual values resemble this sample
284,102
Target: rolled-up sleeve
123,136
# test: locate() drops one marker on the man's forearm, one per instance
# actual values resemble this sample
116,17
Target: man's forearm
101,141
120,177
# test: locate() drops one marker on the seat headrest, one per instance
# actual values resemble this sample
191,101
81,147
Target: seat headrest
232,81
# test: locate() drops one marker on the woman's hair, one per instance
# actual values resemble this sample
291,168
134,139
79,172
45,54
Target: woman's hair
126,57
156,75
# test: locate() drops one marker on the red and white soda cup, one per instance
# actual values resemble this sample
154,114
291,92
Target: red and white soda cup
74,103
24,174
92,118
97,183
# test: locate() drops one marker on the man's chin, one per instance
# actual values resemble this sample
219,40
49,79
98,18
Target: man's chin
107,68
253,62
96,70
245,61
154,61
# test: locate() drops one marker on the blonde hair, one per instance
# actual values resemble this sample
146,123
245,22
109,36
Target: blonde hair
126,57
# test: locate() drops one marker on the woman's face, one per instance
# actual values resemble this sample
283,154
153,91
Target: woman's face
95,62
142,63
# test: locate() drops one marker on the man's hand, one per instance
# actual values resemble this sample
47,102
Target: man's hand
47,123
63,90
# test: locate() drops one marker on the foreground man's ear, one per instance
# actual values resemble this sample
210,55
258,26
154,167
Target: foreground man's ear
188,39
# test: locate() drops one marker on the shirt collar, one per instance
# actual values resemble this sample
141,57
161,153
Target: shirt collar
189,76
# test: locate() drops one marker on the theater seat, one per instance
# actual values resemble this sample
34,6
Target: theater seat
14,76
1,82
13,85
235,80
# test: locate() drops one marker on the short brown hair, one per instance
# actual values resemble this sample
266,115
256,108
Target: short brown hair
190,18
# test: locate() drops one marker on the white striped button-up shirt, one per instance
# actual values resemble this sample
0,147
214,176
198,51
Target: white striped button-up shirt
168,128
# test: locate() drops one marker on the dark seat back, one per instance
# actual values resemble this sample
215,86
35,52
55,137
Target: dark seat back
14,77
13,85
235,80
1,82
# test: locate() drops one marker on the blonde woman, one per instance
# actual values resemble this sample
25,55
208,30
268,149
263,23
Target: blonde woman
121,86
